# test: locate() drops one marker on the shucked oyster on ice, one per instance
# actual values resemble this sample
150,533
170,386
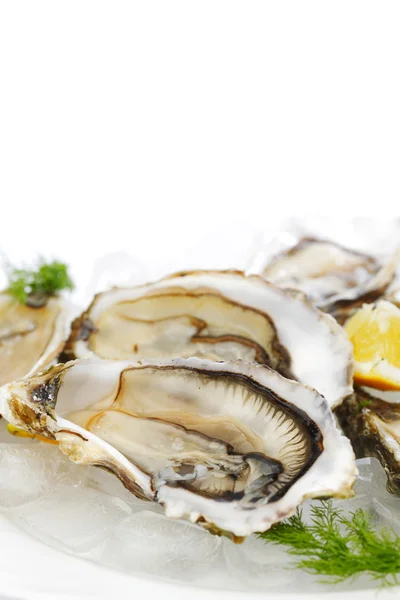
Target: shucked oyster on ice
372,423
232,446
30,337
371,418
219,315
332,276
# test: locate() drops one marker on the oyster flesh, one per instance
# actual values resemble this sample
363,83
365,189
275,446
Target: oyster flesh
232,446
30,337
332,276
218,315
372,424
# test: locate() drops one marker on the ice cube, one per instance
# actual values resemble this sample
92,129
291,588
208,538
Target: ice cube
384,506
258,564
109,484
150,543
372,496
362,490
265,566
75,519
29,470
88,512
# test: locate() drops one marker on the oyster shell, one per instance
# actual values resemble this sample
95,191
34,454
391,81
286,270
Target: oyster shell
30,337
373,426
219,315
232,446
333,277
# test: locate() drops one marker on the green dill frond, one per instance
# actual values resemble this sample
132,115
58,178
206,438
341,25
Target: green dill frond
336,547
41,283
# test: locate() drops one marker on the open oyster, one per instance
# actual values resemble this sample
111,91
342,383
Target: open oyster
332,276
232,446
373,426
219,315
371,417
30,337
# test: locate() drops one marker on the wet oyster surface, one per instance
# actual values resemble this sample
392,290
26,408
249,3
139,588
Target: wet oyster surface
193,444
335,278
26,336
373,426
186,323
217,315
232,446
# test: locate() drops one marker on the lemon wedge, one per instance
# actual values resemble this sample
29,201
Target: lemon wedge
374,331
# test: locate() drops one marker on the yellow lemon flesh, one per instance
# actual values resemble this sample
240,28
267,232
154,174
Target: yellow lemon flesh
374,331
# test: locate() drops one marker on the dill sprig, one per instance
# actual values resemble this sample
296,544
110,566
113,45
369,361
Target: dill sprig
338,547
35,286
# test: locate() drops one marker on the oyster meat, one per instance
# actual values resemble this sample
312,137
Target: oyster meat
218,315
30,337
371,417
333,277
372,423
232,446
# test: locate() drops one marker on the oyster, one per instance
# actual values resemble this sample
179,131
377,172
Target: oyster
372,424
30,337
232,446
371,417
333,277
218,315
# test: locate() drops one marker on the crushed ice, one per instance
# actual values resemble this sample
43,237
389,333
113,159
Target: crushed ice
87,512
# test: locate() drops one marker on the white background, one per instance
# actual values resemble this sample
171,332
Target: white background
142,126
